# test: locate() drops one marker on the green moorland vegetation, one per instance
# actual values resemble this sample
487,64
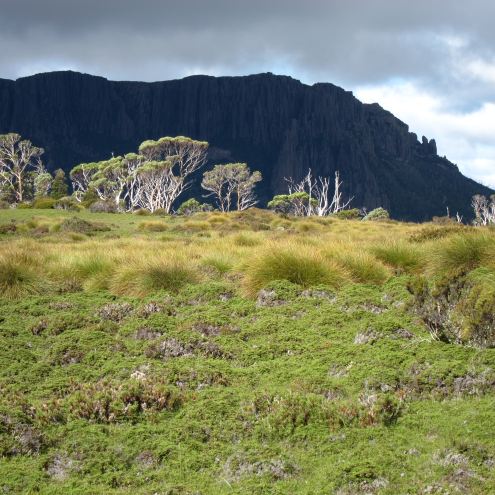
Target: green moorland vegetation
244,353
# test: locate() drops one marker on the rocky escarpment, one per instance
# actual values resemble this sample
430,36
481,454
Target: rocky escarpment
275,123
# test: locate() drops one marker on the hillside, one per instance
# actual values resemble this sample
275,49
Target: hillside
275,123
244,353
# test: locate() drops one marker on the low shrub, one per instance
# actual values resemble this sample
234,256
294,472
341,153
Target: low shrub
80,226
352,214
161,212
434,232
141,212
106,402
460,310
192,206
44,203
103,207
24,206
377,214
68,203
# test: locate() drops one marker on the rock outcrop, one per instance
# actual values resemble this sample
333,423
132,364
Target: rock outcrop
275,123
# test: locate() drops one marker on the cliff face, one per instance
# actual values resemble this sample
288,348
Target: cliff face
276,124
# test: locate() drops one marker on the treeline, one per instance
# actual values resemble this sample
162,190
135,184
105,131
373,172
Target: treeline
154,178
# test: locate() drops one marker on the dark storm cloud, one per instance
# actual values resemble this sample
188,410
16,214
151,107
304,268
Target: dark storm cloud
407,55
352,42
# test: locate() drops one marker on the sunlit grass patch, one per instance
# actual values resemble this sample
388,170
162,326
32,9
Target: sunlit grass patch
296,265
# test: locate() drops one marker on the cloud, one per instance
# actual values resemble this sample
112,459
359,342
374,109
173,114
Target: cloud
467,138
430,62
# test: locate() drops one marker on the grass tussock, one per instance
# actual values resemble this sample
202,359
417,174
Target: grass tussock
155,226
364,268
299,266
143,278
462,253
246,240
19,275
403,257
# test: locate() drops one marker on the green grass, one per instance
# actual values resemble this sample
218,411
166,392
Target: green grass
131,365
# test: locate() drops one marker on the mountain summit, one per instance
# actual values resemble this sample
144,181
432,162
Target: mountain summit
274,123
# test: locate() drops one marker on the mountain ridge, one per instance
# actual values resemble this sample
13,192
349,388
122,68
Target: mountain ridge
277,124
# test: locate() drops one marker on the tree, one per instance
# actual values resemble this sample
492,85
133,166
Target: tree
81,176
297,204
152,179
169,163
18,158
229,182
155,186
318,189
42,184
59,188
484,209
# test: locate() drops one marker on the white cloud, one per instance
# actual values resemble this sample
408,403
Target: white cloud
467,138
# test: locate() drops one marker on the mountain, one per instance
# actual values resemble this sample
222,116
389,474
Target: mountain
274,123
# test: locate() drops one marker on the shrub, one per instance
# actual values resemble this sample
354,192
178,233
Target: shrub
103,207
78,225
161,212
44,203
192,206
152,276
106,402
443,220
377,214
432,232
24,206
460,310
68,203
303,268
405,258
352,214
4,205
141,212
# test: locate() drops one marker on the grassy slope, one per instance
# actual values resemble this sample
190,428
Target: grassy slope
270,398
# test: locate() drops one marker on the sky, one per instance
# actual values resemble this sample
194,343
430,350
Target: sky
430,62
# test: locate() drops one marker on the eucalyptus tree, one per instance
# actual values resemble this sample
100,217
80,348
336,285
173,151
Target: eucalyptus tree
18,159
232,183
318,198
81,177
168,165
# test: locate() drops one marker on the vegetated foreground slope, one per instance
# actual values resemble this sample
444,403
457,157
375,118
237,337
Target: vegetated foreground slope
276,124
241,353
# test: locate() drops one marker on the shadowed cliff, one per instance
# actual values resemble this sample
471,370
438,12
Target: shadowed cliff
275,123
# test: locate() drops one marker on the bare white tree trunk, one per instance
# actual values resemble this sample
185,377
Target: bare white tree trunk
317,190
